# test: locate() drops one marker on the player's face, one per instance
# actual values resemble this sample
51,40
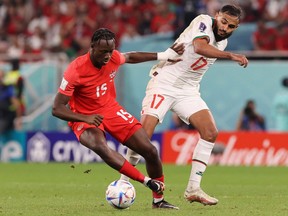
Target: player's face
225,25
101,52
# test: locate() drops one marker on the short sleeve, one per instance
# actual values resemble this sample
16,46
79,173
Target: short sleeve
202,27
69,80
118,57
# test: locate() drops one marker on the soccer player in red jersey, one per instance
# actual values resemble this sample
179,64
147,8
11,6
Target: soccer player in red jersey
88,88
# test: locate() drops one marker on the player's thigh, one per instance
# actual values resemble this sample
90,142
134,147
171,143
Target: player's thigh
149,124
93,138
203,120
185,107
79,127
140,143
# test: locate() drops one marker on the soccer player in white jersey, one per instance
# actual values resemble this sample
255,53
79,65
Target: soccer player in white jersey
176,86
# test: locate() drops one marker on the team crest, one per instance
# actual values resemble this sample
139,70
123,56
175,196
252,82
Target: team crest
112,74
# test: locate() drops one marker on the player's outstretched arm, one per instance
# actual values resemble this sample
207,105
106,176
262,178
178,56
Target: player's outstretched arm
171,54
202,47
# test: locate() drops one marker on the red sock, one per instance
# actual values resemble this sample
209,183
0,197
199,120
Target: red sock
130,171
155,195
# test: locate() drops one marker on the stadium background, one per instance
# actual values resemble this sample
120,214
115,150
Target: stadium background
226,87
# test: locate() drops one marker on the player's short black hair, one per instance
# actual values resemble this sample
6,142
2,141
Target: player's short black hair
102,34
232,10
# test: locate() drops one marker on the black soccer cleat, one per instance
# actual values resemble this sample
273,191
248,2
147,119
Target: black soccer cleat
163,205
156,186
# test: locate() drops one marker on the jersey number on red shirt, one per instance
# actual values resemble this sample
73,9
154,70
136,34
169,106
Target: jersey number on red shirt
101,90
125,115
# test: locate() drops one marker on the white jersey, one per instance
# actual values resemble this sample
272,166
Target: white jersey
189,72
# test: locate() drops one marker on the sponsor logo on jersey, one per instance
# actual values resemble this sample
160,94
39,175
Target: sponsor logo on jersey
202,27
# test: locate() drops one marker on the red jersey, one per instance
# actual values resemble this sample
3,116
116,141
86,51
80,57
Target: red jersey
92,90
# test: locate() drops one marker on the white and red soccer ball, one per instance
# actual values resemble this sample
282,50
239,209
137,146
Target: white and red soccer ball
120,194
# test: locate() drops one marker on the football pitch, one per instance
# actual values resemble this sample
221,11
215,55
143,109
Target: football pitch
79,189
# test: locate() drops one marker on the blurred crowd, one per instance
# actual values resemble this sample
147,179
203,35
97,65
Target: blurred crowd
12,105
37,26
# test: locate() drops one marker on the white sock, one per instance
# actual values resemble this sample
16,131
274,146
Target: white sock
156,200
133,158
200,160
146,179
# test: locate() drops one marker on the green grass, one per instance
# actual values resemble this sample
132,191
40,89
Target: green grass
59,189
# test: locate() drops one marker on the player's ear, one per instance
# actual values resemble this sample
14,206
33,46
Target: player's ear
92,45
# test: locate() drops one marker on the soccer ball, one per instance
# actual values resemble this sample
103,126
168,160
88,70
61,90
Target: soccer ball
120,194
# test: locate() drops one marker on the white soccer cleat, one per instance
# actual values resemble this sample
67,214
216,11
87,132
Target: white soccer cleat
198,195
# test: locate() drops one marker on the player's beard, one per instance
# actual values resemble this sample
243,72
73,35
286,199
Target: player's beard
219,37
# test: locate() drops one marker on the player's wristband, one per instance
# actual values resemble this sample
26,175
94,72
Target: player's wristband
168,54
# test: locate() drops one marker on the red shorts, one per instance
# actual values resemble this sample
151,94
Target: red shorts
117,122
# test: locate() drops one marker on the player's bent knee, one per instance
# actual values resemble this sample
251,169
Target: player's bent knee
97,145
150,154
210,135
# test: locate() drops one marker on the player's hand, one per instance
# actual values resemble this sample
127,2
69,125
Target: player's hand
179,50
241,59
94,119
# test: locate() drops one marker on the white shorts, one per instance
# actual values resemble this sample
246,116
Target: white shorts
160,98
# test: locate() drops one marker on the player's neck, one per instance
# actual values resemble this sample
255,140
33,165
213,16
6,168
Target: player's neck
94,63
